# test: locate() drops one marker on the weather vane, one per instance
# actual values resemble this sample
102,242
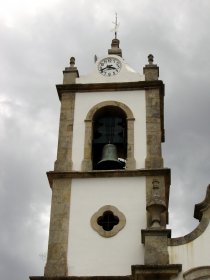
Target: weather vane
116,26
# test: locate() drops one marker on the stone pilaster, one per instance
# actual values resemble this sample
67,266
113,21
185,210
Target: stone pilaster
64,152
130,161
153,118
153,129
87,161
59,229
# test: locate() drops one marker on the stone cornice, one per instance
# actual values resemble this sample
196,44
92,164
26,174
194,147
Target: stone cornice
110,173
154,232
128,277
98,87
149,272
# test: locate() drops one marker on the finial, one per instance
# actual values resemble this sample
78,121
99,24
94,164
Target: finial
115,46
70,73
72,61
150,59
116,26
151,70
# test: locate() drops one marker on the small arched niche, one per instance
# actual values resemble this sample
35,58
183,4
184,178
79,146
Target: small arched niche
109,122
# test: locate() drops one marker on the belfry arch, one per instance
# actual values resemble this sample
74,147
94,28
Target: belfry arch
87,164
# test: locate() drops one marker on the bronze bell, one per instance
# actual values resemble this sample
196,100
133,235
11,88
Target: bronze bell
109,159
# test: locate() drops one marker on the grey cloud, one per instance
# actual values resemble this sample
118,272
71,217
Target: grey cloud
33,55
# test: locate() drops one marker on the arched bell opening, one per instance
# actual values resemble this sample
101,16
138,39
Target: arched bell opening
109,142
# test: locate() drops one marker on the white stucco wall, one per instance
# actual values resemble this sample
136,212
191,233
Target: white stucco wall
91,254
135,100
192,254
126,74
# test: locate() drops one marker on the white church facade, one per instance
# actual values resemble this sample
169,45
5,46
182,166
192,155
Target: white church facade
110,189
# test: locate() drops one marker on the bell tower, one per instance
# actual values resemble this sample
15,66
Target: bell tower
110,189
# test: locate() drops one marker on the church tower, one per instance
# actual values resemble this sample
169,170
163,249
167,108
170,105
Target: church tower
110,189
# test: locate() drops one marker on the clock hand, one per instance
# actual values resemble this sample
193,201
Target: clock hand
111,67
108,67
102,69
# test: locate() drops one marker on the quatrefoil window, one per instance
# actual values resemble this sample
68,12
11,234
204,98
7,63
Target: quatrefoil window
108,221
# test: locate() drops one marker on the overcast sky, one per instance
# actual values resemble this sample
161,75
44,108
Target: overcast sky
37,38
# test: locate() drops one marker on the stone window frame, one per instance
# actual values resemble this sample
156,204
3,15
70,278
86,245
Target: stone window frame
99,229
87,161
197,273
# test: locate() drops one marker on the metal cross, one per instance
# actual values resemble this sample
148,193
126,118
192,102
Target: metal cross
116,26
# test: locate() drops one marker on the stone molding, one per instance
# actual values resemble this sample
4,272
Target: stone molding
101,87
116,228
200,272
139,272
166,172
128,277
87,161
154,232
152,272
100,105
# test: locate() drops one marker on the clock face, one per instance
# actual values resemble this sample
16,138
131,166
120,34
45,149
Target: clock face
109,66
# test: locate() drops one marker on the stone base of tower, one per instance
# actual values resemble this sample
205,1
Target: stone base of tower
81,278
139,272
